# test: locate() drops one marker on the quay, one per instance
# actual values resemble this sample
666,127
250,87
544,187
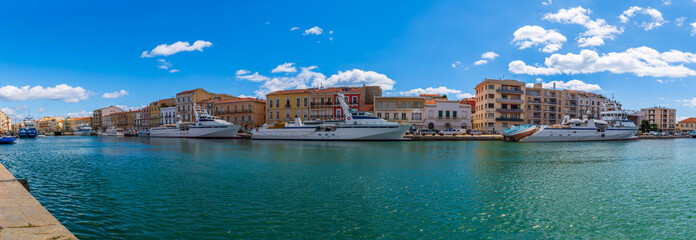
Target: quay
454,138
22,216
662,137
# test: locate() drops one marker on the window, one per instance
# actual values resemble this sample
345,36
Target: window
235,119
287,102
403,116
249,107
491,105
491,87
386,116
396,116
379,115
447,114
270,116
277,114
304,113
439,114
277,102
305,103
216,109
249,119
270,103
242,108
355,100
297,102
338,112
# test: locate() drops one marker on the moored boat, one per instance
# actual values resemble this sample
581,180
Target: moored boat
29,129
693,134
114,131
7,140
516,133
612,125
204,126
84,130
353,127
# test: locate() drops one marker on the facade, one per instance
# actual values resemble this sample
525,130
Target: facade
664,118
156,111
97,122
138,120
285,105
167,115
403,110
5,122
106,122
590,102
184,101
75,123
146,115
686,125
51,124
324,102
447,114
499,105
248,112
125,120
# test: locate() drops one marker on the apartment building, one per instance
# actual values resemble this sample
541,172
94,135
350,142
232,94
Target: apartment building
248,112
664,118
145,117
97,122
73,124
590,103
499,105
184,101
285,105
51,124
5,122
403,110
167,115
125,120
687,125
442,113
156,111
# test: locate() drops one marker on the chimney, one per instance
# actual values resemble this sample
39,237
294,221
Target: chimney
554,86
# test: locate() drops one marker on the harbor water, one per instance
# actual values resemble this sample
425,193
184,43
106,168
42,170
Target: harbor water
140,188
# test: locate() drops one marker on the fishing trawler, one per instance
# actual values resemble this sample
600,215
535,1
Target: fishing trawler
204,126
612,125
29,129
353,127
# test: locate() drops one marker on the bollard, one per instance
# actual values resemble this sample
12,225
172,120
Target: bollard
24,183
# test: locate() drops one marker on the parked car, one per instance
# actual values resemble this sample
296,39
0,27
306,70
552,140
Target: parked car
426,132
453,132
474,132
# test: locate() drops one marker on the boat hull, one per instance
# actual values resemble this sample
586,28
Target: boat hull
581,134
196,132
342,133
28,133
82,133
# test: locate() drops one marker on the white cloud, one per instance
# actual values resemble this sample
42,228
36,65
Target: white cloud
680,21
173,70
455,64
571,85
546,3
489,55
242,72
315,30
294,28
129,108
59,92
41,110
667,2
597,30
256,77
79,114
166,50
285,68
11,112
438,90
529,36
689,102
641,61
115,94
357,77
480,62
665,81
656,16
693,30
331,32
679,119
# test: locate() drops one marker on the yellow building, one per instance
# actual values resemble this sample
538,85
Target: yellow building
5,122
75,123
402,110
155,111
285,105
51,124
184,101
664,118
686,125
499,105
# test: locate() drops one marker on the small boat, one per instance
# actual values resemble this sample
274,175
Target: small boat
130,133
515,133
693,134
7,140
114,131
85,130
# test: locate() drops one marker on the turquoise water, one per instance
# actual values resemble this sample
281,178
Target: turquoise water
128,188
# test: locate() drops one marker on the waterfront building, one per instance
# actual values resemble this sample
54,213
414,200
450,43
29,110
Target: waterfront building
403,110
97,121
499,105
125,120
167,115
51,124
592,102
442,113
5,122
184,101
248,112
324,104
106,122
73,124
138,119
156,111
285,105
548,106
145,121
687,125
664,118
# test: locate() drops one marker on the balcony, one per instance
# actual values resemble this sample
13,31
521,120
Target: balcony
507,100
504,110
510,119
533,93
508,90
316,105
534,102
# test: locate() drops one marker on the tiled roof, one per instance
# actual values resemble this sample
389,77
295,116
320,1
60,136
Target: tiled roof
188,91
431,95
246,99
292,91
689,120
430,102
338,90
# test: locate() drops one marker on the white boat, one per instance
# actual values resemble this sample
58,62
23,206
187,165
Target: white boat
353,127
612,125
516,133
114,131
84,130
204,126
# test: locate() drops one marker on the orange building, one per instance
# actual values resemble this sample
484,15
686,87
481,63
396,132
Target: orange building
248,112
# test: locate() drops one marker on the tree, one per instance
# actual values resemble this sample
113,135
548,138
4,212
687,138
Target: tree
645,126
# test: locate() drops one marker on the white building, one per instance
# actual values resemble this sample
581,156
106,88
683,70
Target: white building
168,115
447,114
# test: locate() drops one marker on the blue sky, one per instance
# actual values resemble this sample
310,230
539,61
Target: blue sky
59,58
